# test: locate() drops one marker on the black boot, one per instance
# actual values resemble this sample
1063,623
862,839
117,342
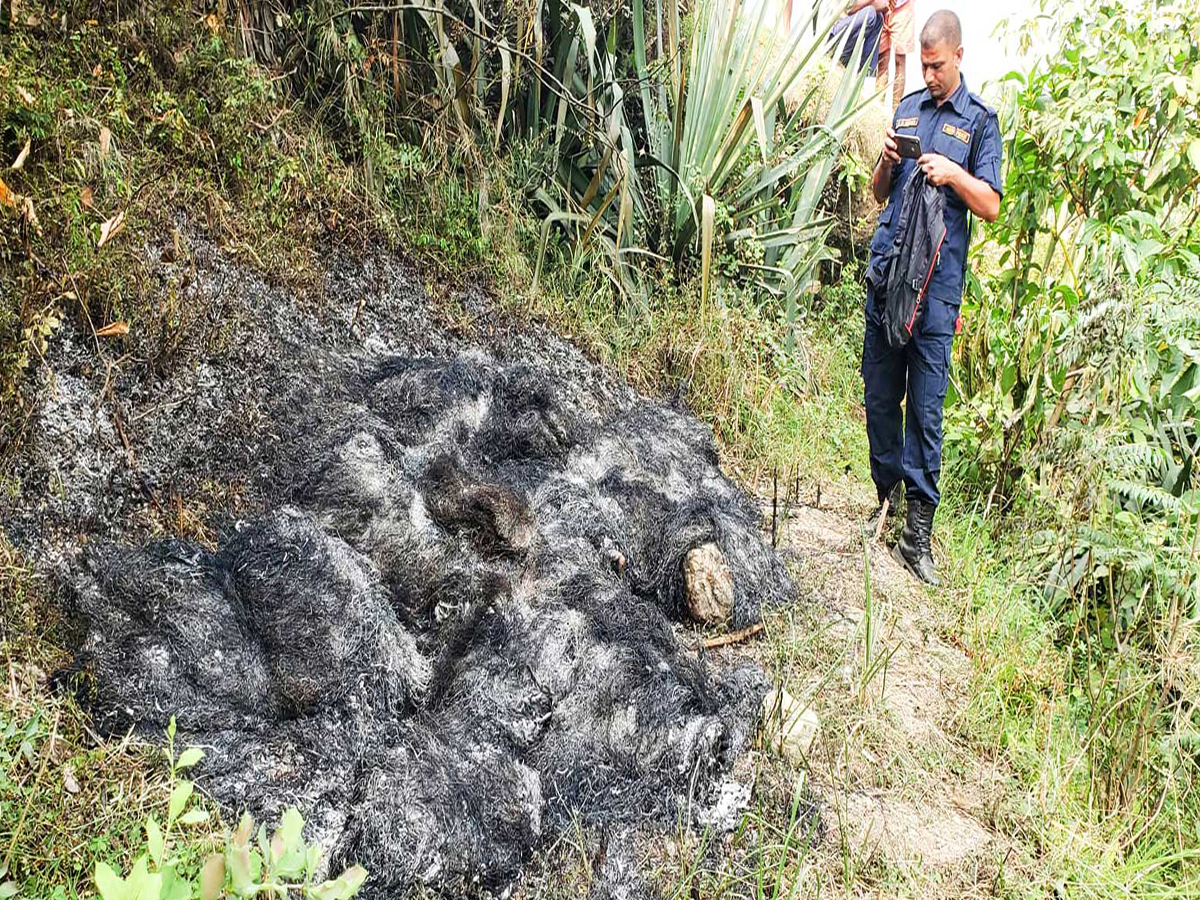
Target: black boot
914,550
894,497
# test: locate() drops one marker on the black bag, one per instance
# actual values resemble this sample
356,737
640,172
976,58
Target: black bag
909,261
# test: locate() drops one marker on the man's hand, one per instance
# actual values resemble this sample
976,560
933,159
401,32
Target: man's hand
939,169
881,178
891,152
978,195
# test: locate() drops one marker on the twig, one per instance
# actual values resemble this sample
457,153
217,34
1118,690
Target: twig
733,637
121,434
775,508
883,511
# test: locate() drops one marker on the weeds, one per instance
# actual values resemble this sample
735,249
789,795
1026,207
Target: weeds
766,857
876,656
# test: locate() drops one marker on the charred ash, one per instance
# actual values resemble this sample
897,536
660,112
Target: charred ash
444,626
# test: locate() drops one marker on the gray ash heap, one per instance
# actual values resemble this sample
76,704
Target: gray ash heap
445,632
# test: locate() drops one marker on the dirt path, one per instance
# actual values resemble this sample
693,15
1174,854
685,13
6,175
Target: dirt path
910,806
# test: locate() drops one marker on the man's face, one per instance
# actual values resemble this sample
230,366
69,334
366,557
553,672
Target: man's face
939,65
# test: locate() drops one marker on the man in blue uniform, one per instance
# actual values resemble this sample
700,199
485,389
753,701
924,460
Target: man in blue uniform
961,154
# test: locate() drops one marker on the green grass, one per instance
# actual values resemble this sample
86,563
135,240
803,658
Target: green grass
1027,715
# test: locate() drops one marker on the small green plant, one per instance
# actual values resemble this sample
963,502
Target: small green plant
249,865
876,656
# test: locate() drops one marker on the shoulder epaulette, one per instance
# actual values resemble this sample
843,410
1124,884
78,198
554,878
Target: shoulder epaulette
979,101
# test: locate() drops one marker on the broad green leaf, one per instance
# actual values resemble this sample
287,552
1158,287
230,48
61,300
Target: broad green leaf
312,862
1193,150
109,884
179,798
189,758
8,889
291,827
142,884
264,843
174,886
239,866
343,887
194,816
154,841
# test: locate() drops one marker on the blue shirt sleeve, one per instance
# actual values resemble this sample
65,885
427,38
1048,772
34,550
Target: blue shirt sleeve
991,155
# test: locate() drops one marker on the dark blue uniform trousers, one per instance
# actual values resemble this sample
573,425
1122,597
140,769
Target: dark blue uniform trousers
870,23
908,449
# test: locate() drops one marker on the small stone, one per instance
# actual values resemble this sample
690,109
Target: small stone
789,727
709,584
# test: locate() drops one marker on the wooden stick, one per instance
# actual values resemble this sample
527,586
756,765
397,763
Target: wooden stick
774,508
882,517
733,637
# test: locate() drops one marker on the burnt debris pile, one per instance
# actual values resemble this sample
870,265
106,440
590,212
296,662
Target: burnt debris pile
452,630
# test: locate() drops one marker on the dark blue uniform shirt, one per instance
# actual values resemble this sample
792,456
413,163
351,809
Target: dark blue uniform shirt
949,129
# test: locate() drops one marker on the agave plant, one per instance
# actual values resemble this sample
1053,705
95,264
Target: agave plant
644,164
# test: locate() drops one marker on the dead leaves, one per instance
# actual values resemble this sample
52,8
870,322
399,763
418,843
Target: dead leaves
24,205
7,197
70,782
105,142
116,329
109,228
22,156
30,216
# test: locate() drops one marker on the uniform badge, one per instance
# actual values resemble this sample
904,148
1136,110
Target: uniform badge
906,123
964,136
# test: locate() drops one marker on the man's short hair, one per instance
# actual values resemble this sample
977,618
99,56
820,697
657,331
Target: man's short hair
943,27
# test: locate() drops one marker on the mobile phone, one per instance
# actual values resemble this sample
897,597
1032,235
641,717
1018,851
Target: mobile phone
908,146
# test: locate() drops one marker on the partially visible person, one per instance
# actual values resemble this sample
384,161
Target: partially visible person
863,17
896,41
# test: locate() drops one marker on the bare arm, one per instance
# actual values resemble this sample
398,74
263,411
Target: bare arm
979,196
